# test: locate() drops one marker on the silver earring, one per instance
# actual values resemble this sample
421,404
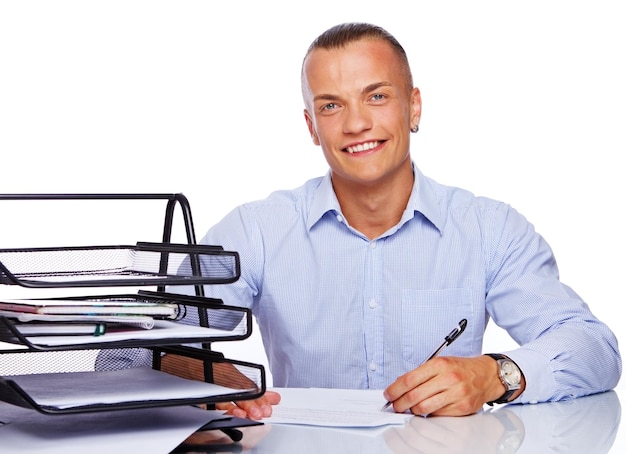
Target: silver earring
415,128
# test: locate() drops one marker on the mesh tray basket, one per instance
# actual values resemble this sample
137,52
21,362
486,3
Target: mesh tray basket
96,266
197,320
194,376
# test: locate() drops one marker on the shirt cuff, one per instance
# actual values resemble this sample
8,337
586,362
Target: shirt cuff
540,384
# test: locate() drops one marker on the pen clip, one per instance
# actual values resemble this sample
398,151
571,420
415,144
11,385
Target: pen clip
456,332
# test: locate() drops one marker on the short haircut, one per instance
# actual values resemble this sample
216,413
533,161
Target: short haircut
343,34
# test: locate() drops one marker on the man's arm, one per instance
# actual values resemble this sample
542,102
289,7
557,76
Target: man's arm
565,351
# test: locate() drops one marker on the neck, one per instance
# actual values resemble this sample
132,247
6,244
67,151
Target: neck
374,208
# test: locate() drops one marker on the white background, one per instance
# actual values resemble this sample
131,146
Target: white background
523,102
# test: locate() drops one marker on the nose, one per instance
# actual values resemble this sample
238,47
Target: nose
357,118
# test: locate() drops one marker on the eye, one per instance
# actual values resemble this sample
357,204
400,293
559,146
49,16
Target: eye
377,97
329,108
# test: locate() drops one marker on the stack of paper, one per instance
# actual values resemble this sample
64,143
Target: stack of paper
61,322
65,317
333,408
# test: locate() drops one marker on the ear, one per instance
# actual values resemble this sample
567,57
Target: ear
311,126
416,107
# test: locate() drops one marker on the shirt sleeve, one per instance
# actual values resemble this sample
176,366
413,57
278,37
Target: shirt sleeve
237,232
565,351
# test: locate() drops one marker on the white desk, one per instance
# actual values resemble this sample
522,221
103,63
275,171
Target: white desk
587,425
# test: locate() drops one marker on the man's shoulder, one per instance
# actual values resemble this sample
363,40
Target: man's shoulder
455,198
276,214
286,199
462,208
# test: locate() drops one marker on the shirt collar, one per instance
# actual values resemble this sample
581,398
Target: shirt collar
423,200
324,200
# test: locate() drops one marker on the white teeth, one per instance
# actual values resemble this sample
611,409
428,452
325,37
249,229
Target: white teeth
362,147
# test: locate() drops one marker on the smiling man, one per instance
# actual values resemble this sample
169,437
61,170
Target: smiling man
356,276
360,108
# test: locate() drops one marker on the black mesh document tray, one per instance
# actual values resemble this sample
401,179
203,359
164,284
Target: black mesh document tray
114,388
66,374
103,266
197,320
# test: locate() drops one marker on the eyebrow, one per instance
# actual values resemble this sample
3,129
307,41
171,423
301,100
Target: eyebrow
376,86
325,97
368,89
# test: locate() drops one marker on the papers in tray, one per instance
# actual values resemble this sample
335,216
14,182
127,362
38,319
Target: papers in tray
56,330
82,389
163,329
139,321
90,307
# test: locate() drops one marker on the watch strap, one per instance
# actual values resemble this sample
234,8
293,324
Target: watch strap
504,398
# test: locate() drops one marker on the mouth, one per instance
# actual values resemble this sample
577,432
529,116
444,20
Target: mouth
362,147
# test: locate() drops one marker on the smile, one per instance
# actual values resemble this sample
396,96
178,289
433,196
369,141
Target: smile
362,147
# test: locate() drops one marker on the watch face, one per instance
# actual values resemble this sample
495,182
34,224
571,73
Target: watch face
511,373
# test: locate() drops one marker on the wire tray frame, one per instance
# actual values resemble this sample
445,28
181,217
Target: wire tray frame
141,265
238,380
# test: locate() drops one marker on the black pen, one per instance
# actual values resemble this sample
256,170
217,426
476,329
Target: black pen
454,334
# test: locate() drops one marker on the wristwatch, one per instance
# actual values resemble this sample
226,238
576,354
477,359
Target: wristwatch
510,376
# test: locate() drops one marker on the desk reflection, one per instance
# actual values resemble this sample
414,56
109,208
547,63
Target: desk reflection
585,425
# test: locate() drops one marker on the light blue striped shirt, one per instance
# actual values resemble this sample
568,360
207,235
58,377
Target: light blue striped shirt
336,309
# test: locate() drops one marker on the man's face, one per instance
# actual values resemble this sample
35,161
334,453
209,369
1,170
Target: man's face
359,109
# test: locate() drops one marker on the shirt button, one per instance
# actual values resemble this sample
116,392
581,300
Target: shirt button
372,366
373,245
339,218
373,304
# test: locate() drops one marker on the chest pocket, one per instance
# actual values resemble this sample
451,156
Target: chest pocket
428,316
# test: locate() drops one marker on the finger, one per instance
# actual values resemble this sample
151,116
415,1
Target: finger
272,397
231,408
407,382
258,408
413,392
254,409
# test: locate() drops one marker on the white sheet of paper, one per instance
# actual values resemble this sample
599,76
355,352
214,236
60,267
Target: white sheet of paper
162,329
333,408
7,346
153,430
67,390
